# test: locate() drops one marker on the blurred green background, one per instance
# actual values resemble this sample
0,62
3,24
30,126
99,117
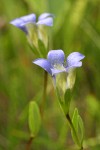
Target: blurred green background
76,28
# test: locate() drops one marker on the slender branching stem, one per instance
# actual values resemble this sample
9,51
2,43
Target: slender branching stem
44,92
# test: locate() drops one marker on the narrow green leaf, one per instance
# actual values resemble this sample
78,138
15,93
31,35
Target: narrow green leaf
75,138
78,126
74,132
34,118
75,119
81,126
67,99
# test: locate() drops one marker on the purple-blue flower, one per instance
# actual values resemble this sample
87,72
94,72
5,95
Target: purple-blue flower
57,63
44,19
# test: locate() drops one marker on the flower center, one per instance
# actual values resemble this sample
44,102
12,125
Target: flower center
58,66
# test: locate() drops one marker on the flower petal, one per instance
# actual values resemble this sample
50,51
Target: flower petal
70,68
44,16
22,21
18,23
31,18
47,21
73,60
56,57
44,63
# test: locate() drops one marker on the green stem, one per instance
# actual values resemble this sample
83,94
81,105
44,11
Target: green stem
44,92
29,143
73,129
62,106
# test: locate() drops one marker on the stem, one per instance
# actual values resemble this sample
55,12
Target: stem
44,92
77,140
73,129
29,143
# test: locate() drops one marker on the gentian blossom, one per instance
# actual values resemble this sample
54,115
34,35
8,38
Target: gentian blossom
56,62
44,19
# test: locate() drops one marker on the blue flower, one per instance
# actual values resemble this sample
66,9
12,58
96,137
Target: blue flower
44,19
56,62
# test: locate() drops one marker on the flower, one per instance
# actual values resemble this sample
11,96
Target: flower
56,64
44,19
35,30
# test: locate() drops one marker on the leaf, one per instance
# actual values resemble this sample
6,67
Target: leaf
67,99
81,126
74,132
75,119
75,139
78,126
34,118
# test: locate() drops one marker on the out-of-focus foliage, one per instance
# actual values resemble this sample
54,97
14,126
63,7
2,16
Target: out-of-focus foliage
76,28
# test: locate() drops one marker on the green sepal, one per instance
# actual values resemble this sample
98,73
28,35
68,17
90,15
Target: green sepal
42,48
32,34
34,118
58,95
61,103
67,100
35,50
